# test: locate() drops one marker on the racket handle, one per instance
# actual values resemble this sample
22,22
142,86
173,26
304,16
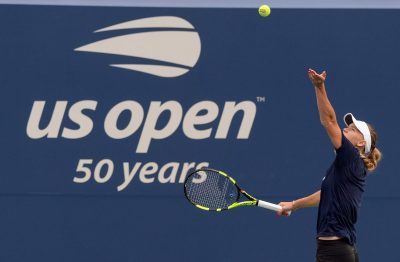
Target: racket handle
271,206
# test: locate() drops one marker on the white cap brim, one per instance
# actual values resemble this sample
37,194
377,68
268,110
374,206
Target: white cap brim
362,127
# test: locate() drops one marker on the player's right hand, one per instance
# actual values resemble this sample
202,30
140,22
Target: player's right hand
287,208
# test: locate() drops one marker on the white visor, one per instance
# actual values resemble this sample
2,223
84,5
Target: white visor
362,127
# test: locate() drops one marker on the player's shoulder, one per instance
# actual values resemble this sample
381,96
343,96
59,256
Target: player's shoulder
347,149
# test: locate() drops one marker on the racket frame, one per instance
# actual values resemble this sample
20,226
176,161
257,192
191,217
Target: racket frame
251,202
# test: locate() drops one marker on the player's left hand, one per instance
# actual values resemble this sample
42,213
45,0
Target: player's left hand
317,79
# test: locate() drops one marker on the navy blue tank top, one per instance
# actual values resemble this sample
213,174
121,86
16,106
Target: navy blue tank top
341,193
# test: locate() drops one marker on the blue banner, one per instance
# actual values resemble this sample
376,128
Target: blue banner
106,111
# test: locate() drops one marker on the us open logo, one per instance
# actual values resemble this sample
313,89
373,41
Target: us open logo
166,47
170,53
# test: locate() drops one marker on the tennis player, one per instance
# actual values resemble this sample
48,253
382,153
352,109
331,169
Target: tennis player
340,196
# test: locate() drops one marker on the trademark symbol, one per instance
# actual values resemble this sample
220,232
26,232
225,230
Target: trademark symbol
260,99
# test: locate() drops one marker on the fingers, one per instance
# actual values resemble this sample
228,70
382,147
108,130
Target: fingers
284,211
280,212
312,72
316,79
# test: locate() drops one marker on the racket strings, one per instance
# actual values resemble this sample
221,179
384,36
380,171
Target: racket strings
210,189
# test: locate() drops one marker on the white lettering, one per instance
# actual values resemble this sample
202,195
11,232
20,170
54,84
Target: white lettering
174,166
53,127
97,171
77,116
84,169
110,123
128,174
185,170
249,113
102,171
189,167
193,118
155,125
147,170
150,132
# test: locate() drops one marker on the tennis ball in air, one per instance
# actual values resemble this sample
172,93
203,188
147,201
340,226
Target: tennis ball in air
264,10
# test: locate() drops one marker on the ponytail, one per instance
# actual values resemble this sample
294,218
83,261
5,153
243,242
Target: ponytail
371,160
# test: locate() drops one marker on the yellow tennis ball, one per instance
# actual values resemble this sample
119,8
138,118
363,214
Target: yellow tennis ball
264,10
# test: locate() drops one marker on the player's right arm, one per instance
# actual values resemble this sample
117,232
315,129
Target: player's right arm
308,201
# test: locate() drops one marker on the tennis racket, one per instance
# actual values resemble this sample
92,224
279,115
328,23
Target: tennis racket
214,190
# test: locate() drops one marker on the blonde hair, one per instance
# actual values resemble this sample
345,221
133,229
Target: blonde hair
371,160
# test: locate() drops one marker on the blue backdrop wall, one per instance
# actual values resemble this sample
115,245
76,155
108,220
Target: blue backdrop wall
93,156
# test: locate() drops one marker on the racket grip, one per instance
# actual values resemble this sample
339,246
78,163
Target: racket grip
271,206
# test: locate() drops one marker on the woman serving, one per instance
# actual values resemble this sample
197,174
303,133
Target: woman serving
340,196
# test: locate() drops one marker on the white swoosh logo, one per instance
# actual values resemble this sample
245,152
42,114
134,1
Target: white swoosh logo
181,48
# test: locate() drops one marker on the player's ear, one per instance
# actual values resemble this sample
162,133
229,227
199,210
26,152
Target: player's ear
361,143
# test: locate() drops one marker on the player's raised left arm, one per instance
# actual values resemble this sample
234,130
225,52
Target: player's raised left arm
327,114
